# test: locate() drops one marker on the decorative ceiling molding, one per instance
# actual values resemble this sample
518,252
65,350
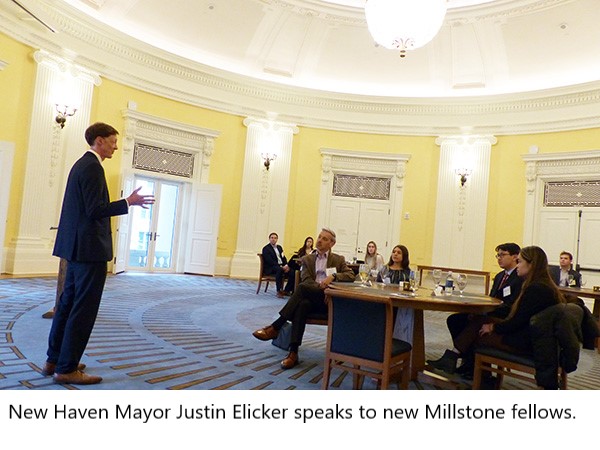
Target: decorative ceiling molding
128,61
499,10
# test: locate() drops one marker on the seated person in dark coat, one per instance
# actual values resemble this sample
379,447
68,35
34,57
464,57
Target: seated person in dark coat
295,261
513,333
275,263
506,287
564,274
319,269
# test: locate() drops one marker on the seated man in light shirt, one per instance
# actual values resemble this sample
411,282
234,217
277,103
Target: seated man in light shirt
318,270
564,274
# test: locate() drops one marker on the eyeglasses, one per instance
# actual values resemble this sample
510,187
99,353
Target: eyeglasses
501,254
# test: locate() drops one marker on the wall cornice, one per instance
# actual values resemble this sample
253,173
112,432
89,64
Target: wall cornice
125,60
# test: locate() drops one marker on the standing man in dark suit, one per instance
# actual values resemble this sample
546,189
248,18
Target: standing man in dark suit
564,274
275,263
318,271
84,239
506,287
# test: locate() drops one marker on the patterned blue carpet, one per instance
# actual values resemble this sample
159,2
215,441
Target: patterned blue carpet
187,332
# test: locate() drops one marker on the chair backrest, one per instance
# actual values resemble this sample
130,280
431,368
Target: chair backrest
261,273
358,326
262,262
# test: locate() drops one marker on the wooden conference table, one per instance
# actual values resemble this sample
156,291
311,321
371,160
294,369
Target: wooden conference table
422,300
586,293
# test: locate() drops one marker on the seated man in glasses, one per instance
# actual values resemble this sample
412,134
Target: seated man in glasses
506,287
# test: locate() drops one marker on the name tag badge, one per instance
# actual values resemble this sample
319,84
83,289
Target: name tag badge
506,291
330,271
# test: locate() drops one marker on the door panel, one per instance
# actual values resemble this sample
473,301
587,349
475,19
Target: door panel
164,236
344,218
122,234
561,229
557,232
374,226
142,226
201,243
589,242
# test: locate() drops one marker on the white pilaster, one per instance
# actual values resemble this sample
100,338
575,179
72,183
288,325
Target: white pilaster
7,151
461,211
263,202
51,152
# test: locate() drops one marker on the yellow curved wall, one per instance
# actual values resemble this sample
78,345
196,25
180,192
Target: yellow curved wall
506,189
16,100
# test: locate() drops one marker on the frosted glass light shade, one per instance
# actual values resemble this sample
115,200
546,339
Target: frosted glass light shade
404,24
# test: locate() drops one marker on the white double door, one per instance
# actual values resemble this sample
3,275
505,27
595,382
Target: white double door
154,231
178,233
358,221
574,230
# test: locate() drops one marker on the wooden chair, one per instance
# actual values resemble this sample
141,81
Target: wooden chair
261,276
556,337
503,364
359,340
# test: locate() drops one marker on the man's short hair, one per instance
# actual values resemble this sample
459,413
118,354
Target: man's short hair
330,231
568,254
273,234
99,129
510,247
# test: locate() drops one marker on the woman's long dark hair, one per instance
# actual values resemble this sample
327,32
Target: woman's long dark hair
538,273
405,257
302,250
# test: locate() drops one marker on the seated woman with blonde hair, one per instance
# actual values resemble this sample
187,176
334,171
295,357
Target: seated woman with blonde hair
397,269
373,259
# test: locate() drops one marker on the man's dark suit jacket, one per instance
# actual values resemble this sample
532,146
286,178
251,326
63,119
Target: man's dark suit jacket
270,258
515,282
84,233
555,275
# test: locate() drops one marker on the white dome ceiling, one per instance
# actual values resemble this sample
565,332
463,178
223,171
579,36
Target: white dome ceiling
496,67
484,47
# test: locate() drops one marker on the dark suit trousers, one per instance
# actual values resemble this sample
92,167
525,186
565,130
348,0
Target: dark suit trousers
468,339
458,322
75,314
306,299
279,274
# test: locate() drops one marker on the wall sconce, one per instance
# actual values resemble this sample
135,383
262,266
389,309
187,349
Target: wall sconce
63,111
463,174
267,158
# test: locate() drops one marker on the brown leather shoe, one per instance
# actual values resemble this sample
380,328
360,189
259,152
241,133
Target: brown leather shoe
290,361
76,377
49,368
281,294
266,333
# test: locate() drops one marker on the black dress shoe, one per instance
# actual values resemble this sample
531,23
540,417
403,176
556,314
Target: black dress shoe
465,368
447,363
